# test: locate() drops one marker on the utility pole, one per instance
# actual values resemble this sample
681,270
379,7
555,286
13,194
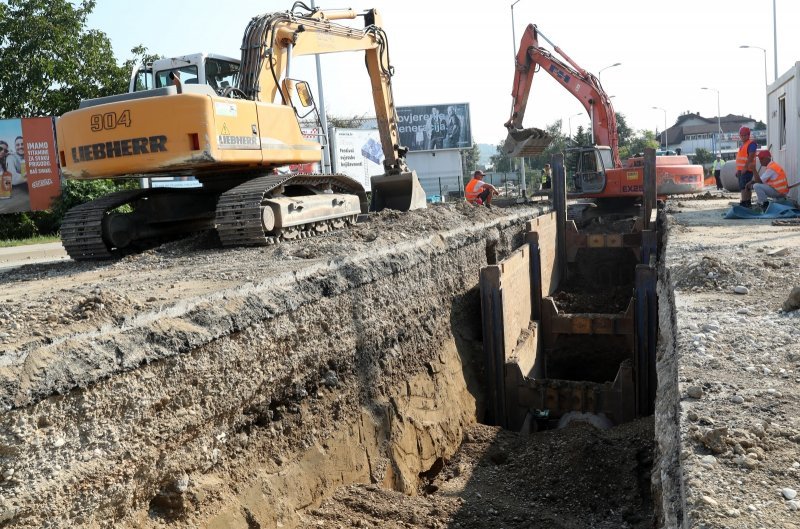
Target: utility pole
323,117
664,132
719,126
523,187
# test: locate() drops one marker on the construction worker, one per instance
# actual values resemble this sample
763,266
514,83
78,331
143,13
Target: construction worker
547,176
716,169
772,183
479,192
746,165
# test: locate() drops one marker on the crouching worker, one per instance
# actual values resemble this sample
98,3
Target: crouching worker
771,183
479,192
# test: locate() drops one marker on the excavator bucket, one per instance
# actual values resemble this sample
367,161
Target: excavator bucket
402,192
526,142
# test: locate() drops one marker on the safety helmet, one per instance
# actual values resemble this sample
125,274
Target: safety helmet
744,131
764,153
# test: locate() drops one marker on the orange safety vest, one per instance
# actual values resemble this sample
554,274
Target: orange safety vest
780,183
741,156
472,190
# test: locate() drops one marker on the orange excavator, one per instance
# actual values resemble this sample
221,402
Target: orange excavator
599,173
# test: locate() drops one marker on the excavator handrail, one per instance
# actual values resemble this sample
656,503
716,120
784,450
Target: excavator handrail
583,85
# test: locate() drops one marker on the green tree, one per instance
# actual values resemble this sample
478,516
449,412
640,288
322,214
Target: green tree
471,157
624,132
50,60
638,142
703,156
342,122
501,162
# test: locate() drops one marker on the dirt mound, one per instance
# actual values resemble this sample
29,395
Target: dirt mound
576,477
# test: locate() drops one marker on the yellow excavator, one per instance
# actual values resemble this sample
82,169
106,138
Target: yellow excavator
231,137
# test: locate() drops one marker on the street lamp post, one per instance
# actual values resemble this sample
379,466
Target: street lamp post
513,32
523,185
775,38
765,59
600,72
719,126
664,132
766,93
570,123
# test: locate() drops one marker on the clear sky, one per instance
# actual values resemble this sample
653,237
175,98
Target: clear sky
446,51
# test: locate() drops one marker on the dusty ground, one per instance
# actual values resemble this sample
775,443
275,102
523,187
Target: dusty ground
191,386
578,477
221,451
739,365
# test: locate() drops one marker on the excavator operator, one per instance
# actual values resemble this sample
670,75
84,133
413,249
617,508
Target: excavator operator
479,192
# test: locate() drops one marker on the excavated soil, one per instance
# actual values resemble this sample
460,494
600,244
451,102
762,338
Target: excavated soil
729,367
577,477
191,386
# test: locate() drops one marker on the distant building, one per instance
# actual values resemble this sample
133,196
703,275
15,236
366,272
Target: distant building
692,131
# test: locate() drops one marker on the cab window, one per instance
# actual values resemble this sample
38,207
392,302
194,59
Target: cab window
187,75
220,74
143,80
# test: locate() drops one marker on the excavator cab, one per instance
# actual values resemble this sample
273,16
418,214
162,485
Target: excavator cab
590,168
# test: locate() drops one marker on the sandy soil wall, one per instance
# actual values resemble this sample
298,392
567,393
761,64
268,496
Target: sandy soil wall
240,406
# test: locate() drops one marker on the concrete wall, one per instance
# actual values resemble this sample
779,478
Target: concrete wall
439,172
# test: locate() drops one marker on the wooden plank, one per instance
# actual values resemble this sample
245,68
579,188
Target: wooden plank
516,287
545,229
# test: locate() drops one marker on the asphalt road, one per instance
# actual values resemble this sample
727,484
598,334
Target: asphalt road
16,256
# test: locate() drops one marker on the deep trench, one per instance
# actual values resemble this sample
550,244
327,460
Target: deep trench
372,373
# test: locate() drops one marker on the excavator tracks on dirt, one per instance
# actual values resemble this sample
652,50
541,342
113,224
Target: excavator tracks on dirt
240,210
82,228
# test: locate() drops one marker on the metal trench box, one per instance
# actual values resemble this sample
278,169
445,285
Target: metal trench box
522,328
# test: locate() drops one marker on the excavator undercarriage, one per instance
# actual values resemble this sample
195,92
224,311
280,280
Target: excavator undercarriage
261,211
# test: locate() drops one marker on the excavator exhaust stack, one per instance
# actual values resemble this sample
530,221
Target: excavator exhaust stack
526,142
401,191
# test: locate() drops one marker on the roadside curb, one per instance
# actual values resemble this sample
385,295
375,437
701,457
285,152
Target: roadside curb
32,252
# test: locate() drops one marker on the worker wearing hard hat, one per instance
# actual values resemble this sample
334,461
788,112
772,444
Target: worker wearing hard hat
716,169
479,192
746,165
772,183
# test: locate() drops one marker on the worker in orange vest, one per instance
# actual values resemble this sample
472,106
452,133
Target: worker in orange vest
479,192
771,183
746,165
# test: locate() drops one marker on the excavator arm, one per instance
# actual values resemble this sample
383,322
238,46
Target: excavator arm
271,41
584,86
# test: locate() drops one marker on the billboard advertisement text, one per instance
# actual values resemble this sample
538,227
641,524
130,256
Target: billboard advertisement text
358,154
432,127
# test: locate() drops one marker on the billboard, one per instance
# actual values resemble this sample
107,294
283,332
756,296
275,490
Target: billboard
432,127
29,174
358,154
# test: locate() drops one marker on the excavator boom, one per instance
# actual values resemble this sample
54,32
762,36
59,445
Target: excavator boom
580,83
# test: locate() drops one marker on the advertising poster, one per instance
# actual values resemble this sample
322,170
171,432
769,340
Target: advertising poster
433,127
358,154
29,175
